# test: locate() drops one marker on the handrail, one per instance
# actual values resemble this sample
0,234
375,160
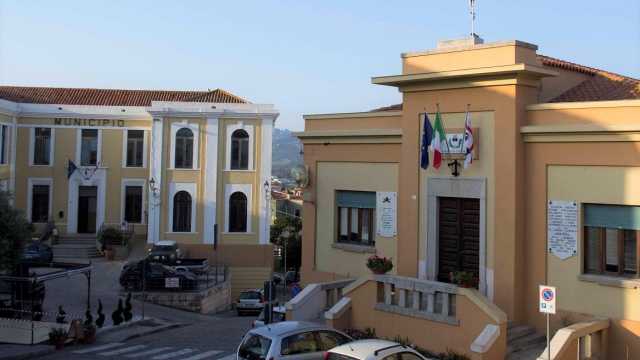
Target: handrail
564,337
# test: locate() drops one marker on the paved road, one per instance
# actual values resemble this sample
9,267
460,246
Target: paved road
209,337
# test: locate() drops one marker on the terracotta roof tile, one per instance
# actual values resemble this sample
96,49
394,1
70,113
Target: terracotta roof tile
603,85
111,97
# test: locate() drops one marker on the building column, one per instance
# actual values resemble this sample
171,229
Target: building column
265,178
211,181
155,193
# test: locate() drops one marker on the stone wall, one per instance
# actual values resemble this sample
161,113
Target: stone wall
213,300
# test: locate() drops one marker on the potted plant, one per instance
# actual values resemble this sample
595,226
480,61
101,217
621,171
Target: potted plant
58,337
109,237
379,265
463,279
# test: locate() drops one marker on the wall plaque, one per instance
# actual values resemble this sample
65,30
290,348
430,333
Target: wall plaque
386,214
562,228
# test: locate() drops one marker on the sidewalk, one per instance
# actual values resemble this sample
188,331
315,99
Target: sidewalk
16,352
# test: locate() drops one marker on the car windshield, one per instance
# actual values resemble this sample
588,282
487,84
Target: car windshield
254,347
164,248
250,295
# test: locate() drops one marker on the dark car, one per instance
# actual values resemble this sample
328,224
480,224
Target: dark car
158,277
165,252
37,252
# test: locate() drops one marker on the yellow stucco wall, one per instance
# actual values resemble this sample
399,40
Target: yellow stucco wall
592,184
332,176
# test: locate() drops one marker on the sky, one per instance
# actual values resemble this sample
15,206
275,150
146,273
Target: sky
304,56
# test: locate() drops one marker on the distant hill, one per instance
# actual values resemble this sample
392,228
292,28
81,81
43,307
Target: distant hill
286,153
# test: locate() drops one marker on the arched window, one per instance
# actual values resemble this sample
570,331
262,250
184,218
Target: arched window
239,150
182,212
184,149
238,212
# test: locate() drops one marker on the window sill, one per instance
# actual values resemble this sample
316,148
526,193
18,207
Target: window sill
134,167
363,249
184,169
237,233
181,233
613,281
37,165
239,170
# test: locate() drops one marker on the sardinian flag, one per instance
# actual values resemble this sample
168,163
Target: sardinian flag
468,141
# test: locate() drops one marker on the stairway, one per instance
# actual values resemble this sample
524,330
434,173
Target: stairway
524,343
75,247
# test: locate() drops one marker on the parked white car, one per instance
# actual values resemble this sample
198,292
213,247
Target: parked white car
373,350
290,340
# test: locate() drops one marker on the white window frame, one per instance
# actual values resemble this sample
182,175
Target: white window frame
132,182
32,145
196,142
145,141
246,189
79,147
229,131
192,189
39,181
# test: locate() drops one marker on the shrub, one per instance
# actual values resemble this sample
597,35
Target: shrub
110,236
15,229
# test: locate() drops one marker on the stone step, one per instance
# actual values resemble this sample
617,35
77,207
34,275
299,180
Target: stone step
61,251
529,354
526,342
516,332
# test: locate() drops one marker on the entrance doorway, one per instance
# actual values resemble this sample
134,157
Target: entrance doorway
458,237
87,205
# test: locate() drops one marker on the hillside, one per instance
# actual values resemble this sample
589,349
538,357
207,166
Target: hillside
287,153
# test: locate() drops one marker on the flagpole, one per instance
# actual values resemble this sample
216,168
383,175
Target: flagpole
446,141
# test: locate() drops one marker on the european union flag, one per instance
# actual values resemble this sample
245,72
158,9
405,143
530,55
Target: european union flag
427,135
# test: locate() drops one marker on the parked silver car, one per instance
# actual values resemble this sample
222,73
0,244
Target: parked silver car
290,340
373,349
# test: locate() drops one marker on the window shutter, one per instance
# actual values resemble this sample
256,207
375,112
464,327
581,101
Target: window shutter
356,199
612,216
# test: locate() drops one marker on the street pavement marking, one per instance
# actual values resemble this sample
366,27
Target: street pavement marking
229,357
148,352
173,354
203,355
97,348
123,350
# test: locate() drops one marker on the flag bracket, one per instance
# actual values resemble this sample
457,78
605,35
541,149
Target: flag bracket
455,167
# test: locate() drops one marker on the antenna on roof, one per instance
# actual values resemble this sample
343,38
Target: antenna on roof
472,12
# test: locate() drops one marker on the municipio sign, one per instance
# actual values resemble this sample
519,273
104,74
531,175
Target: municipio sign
547,297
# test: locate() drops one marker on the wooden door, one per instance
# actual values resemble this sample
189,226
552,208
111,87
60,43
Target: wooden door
458,236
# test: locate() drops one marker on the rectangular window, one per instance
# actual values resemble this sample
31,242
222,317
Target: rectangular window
40,203
611,239
133,204
89,147
356,212
42,146
4,143
135,148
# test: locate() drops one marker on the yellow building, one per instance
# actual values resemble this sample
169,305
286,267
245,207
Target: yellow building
189,166
550,198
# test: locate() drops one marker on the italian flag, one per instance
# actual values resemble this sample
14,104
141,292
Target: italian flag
439,141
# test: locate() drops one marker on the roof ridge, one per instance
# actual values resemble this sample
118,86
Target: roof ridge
112,89
583,68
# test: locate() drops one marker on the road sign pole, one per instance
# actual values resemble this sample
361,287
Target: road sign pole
548,341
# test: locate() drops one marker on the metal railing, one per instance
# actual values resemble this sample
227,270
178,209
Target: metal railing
216,275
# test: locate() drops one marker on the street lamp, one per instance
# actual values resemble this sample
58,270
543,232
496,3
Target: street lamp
284,235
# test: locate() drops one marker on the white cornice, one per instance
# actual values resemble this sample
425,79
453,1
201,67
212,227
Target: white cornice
584,105
492,71
8,108
167,109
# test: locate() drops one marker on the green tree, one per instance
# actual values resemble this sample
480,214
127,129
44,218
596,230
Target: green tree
15,229
287,230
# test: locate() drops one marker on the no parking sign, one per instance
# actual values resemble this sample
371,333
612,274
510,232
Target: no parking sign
547,296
